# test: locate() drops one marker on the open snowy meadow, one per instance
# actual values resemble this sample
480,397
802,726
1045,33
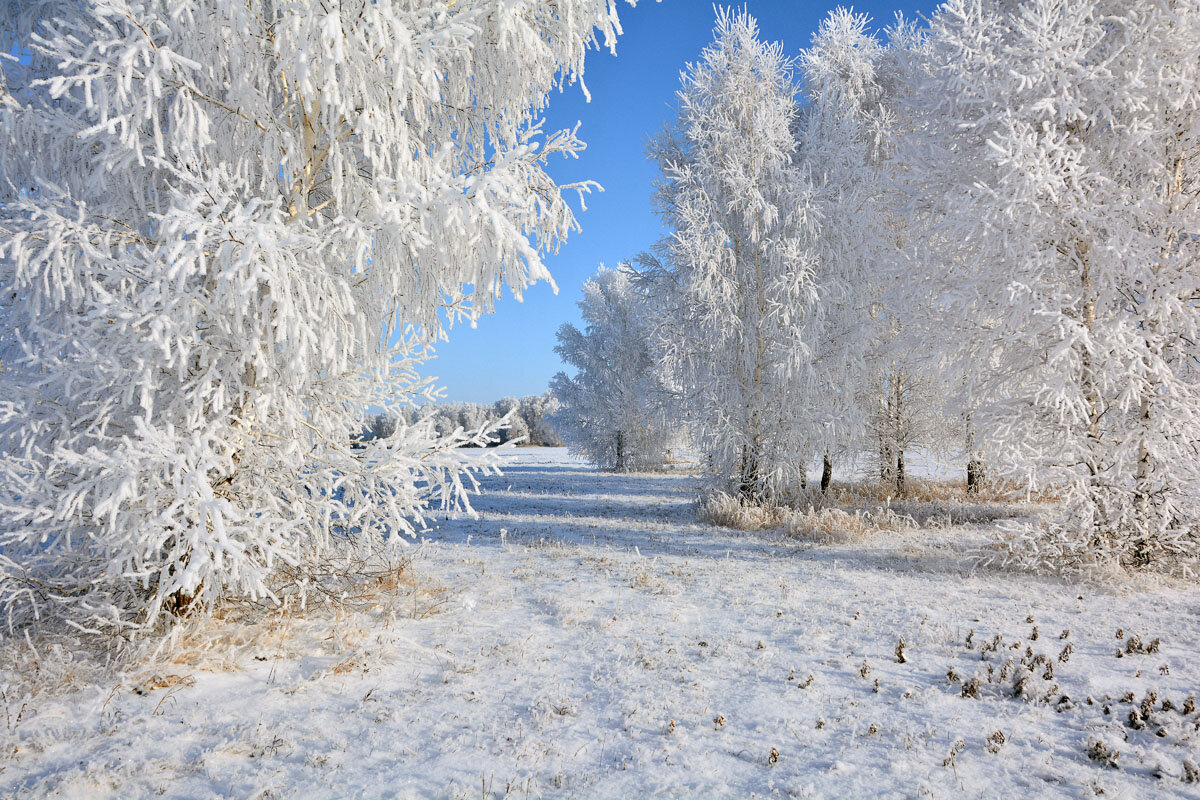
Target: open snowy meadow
585,636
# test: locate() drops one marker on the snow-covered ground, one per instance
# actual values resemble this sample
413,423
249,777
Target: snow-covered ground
585,636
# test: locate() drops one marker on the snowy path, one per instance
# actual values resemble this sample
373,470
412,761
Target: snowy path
609,646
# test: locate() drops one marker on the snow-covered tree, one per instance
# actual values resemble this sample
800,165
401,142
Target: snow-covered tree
844,132
741,290
903,412
472,416
537,410
525,419
228,228
1057,145
382,425
612,408
517,430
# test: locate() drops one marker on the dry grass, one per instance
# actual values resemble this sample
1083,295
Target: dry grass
157,681
728,511
833,525
850,511
1052,546
349,603
827,524
916,490
35,669
52,663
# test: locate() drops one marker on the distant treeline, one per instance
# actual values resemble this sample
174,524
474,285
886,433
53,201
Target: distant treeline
530,424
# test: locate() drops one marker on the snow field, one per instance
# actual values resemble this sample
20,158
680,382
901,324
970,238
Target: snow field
585,637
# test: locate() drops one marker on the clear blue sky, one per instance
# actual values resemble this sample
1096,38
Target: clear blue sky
511,352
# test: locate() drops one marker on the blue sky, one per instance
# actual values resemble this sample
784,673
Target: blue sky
511,352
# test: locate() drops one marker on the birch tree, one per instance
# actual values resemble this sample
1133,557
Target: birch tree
844,135
228,228
743,286
1059,143
612,409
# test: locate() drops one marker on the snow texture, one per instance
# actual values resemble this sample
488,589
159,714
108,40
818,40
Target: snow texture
585,637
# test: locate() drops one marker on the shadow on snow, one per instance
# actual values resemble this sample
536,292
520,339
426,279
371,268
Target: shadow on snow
654,514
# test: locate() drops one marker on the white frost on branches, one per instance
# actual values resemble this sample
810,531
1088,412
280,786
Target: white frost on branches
844,134
1057,148
228,228
613,412
741,288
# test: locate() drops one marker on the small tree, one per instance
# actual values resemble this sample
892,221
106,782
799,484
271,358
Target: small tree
517,430
383,425
472,416
904,414
611,409
537,411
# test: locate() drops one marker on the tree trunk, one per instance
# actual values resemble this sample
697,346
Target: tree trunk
750,491
1142,511
1097,496
749,483
1150,496
826,473
620,451
899,437
975,475
887,450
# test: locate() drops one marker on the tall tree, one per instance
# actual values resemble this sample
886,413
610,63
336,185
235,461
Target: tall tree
1058,142
742,288
228,228
844,134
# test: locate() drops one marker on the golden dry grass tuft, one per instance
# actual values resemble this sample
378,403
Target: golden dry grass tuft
831,525
850,511
916,490
346,604
728,511
353,599
823,524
